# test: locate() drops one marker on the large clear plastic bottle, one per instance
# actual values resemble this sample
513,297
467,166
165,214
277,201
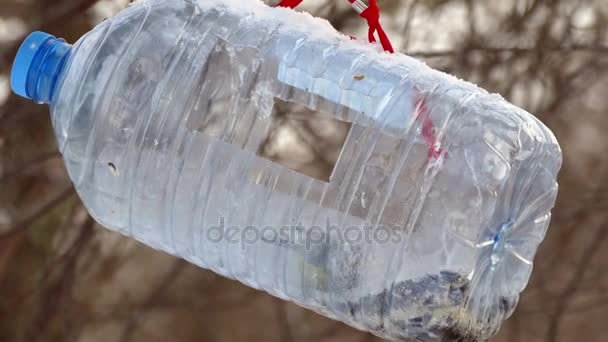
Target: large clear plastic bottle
427,227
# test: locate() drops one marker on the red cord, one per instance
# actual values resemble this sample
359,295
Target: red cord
371,14
289,3
428,130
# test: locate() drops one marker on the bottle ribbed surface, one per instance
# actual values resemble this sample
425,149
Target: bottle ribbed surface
164,107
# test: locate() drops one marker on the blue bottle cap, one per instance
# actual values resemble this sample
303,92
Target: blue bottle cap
39,66
24,59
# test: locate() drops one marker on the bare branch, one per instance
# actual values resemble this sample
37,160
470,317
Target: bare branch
156,294
26,222
575,283
61,287
29,165
514,49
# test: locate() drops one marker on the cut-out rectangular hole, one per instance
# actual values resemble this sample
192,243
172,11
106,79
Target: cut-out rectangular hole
304,140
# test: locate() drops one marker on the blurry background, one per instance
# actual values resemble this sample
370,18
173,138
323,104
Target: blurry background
63,278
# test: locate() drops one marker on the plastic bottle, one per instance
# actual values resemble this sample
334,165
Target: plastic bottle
427,227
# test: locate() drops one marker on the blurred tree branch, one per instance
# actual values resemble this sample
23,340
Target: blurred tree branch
515,50
161,288
28,166
59,289
601,236
24,223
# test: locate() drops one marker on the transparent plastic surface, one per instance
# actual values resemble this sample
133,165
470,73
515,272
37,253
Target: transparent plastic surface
162,109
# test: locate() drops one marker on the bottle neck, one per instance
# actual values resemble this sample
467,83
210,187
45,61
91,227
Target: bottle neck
47,69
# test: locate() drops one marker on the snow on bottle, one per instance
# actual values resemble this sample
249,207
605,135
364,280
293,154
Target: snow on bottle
427,227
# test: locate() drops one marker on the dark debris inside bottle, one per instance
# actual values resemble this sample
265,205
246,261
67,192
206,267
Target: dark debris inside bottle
429,308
